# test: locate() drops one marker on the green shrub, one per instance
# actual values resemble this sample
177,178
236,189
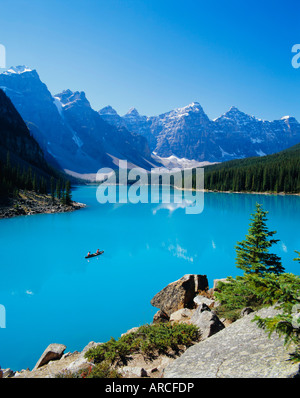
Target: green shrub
149,340
103,370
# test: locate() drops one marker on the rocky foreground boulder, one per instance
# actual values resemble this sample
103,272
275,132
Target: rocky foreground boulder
179,294
51,353
241,350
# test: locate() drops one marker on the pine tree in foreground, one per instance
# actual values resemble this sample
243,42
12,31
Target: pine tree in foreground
297,258
253,255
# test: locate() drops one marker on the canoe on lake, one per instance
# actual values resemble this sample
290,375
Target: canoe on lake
94,254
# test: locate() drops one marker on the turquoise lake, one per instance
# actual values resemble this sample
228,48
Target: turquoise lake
52,294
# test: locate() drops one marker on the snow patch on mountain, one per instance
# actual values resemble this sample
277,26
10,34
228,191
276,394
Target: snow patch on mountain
58,105
173,162
17,70
260,153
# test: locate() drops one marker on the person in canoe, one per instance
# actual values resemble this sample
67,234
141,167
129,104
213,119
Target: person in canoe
98,251
89,253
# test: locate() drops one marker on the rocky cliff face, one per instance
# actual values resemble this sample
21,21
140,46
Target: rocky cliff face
15,136
188,133
101,141
241,350
37,107
71,133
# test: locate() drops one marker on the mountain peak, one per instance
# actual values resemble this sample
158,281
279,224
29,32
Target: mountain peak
233,110
108,110
237,116
289,120
194,106
17,70
132,112
67,97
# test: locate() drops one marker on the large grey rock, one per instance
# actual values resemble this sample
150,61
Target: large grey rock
184,315
242,350
207,321
202,299
179,294
52,352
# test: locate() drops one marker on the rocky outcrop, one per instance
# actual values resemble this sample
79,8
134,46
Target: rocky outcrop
29,202
54,363
207,321
52,352
180,302
179,294
241,350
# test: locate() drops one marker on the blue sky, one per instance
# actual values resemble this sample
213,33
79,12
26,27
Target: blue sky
160,55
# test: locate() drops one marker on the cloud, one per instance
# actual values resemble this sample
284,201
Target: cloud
171,207
180,252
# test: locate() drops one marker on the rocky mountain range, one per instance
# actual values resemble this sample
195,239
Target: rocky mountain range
188,133
78,139
72,135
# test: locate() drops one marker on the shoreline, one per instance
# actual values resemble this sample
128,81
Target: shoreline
31,203
239,192
210,190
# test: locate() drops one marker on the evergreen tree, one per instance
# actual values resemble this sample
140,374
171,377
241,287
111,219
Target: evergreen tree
34,183
253,255
68,196
58,189
52,188
297,258
63,197
8,165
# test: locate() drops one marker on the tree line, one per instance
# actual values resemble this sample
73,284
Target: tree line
14,178
272,173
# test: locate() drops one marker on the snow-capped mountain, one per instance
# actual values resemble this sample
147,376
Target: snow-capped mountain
188,133
72,135
98,139
75,137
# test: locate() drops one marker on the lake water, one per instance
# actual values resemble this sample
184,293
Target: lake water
52,294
